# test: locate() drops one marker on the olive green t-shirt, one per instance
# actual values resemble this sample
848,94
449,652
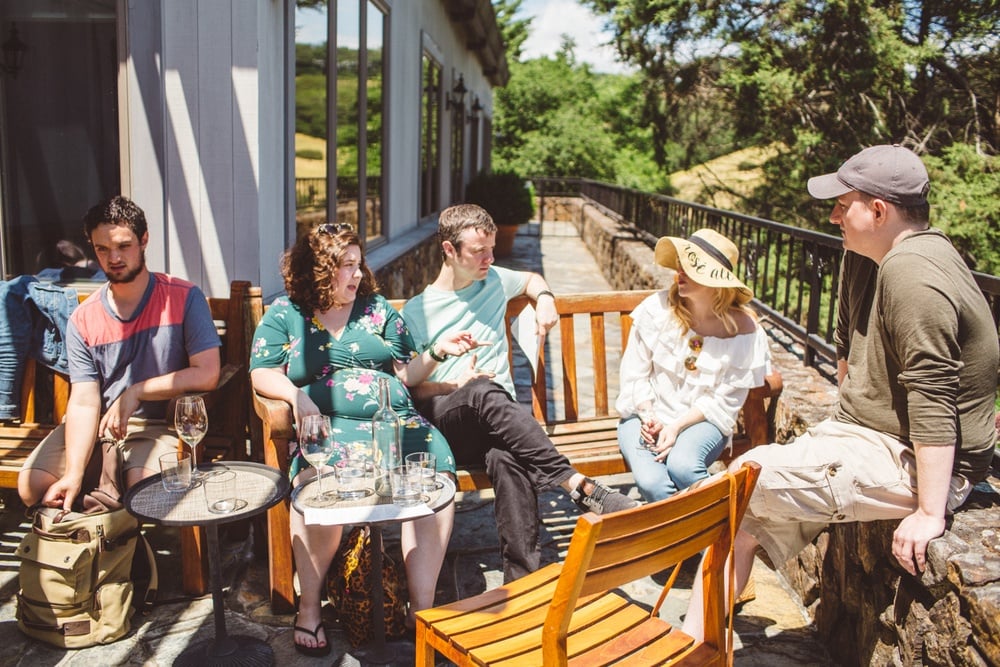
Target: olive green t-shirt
922,365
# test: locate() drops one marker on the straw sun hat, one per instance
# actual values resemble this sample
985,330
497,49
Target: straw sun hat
708,258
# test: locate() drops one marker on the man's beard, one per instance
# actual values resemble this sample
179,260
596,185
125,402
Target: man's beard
131,275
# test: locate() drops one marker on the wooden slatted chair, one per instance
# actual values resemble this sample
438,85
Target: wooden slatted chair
568,613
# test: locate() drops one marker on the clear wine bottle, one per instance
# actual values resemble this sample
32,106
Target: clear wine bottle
386,440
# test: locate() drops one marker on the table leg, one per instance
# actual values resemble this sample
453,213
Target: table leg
381,652
223,650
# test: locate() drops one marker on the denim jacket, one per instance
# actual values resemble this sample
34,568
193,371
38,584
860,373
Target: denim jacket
33,319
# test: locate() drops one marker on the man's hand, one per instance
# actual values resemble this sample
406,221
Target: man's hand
63,492
909,541
546,315
472,373
119,412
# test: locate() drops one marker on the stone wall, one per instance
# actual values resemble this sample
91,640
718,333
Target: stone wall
867,610
407,274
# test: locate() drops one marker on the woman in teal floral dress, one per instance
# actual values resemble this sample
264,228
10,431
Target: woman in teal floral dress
323,349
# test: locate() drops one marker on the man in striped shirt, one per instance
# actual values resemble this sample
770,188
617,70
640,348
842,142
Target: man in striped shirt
138,341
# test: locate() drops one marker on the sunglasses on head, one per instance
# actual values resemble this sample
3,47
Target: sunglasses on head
334,228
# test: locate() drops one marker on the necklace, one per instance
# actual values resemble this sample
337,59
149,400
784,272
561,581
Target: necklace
695,343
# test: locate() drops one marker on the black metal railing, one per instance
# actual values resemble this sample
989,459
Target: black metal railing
793,272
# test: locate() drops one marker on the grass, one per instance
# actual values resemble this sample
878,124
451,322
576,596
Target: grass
305,168
724,181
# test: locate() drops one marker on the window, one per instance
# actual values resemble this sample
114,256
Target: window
341,116
430,136
458,152
59,146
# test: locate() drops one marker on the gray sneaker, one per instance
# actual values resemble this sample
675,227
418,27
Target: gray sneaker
602,500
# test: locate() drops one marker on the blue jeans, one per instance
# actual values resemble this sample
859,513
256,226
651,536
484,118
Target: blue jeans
696,448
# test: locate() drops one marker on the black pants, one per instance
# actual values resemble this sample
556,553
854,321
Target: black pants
485,426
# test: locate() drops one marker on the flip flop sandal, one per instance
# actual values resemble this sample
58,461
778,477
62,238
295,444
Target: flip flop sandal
312,651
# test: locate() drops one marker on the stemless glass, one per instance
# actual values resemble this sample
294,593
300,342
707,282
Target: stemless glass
316,443
191,422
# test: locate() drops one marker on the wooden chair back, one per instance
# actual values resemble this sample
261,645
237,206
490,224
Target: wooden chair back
605,312
609,551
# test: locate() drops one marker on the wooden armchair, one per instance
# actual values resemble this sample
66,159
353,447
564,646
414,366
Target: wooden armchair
570,612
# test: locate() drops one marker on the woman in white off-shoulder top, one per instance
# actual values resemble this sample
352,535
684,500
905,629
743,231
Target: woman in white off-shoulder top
694,352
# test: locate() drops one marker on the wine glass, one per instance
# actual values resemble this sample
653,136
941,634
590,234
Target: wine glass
191,422
316,443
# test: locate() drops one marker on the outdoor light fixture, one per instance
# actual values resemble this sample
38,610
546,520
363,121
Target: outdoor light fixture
454,100
476,109
13,53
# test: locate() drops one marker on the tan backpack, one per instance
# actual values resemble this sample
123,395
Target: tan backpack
76,575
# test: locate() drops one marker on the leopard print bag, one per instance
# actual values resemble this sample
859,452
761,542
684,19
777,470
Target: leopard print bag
349,591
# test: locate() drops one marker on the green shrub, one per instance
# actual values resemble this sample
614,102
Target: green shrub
505,196
309,154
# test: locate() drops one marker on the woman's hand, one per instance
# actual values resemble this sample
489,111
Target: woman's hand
665,442
303,407
649,428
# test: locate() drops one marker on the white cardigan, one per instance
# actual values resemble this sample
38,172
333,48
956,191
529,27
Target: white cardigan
652,368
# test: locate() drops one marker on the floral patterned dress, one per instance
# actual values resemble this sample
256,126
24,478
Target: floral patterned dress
341,375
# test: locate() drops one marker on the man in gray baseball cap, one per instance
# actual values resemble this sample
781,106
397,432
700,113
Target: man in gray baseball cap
892,173
917,364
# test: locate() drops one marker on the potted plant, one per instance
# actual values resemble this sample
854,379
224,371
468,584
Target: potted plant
508,199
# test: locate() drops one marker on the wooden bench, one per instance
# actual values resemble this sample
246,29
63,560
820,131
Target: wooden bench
586,434
235,318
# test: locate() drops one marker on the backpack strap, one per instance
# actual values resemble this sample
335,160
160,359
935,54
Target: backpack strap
149,598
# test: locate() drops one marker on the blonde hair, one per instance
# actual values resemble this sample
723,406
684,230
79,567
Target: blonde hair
725,300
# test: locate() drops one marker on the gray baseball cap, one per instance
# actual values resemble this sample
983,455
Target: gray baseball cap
892,173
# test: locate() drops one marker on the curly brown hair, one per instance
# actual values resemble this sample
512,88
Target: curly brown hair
309,267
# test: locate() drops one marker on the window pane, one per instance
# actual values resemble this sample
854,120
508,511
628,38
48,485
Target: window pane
59,150
348,39
310,116
430,129
458,152
375,115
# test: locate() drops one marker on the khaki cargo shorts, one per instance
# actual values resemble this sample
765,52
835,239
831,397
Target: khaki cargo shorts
147,439
833,473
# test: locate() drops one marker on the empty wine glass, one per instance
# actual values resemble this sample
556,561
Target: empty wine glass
191,422
316,443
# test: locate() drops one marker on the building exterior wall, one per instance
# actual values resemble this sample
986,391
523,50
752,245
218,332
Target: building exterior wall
206,130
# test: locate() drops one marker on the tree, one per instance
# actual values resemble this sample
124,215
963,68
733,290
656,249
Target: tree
822,79
557,118
513,31
844,73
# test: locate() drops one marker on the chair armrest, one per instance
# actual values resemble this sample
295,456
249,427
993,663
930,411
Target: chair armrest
211,397
276,430
275,414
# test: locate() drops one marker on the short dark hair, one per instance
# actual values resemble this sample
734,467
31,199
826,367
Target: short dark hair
918,215
456,219
115,210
